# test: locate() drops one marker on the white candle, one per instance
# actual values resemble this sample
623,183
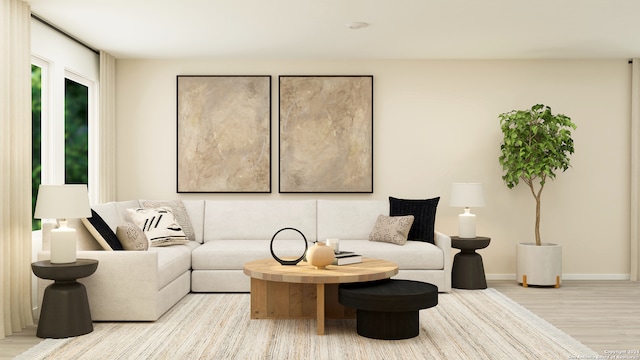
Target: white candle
63,245
334,243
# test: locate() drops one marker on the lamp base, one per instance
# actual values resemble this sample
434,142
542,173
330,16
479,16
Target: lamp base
63,244
467,225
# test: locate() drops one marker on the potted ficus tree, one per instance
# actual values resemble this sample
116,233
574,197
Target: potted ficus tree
536,144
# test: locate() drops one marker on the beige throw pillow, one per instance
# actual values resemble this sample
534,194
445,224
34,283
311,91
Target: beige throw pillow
159,225
132,237
392,229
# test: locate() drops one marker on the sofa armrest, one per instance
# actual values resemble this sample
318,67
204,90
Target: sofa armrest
444,242
123,286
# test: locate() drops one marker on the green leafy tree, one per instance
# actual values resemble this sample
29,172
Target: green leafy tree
36,139
76,133
536,144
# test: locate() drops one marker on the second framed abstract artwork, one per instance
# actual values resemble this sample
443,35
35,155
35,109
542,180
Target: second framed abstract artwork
326,134
223,134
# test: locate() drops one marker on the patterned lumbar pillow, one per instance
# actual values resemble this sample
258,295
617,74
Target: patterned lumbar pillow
392,229
132,237
159,225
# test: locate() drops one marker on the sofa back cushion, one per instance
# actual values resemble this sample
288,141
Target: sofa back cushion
195,210
258,219
349,219
115,213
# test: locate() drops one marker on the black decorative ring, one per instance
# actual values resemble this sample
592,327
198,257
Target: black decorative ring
288,262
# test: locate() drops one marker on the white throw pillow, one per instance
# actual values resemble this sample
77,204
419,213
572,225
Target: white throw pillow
159,225
179,212
392,229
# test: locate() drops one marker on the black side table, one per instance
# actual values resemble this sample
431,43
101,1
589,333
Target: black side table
65,307
468,270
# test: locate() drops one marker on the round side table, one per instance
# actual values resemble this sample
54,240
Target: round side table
65,307
468,270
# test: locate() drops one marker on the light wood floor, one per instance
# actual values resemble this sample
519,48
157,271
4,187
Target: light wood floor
603,315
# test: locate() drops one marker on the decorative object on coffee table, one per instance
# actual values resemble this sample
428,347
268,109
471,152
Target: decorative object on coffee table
65,308
389,309
288,262
320,255
346,258
468,270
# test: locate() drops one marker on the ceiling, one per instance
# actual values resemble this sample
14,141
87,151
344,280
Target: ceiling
316,29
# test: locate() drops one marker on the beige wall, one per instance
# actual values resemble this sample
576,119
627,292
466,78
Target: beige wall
435,122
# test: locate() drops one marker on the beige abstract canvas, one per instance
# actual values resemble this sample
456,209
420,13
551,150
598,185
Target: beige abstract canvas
326,134
224,133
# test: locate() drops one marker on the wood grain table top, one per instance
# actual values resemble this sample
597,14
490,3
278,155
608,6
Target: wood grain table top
367,270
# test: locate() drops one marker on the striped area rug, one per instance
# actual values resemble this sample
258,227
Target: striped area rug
466,324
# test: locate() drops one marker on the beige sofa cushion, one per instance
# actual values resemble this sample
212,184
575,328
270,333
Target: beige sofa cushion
415,255
232,254
258,219
349,219
173,261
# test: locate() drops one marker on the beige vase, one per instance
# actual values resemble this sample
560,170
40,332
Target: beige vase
539,265
320,255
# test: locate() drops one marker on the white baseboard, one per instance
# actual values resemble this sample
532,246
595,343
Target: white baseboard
614,277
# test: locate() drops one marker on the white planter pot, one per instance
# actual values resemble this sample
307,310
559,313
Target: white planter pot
539,265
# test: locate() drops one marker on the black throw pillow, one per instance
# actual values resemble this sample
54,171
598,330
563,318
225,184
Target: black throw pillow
103,229
424,212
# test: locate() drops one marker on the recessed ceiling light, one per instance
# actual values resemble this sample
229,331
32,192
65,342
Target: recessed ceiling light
357,25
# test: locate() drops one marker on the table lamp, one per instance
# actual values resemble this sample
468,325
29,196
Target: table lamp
467,195
62,202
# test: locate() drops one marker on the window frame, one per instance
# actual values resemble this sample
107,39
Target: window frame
62,58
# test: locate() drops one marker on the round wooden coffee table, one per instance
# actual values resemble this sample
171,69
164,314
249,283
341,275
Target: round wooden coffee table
304,292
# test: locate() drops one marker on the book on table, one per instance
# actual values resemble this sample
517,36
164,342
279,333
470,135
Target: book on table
347,257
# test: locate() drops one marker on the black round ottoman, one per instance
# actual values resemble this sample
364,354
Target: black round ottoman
388,309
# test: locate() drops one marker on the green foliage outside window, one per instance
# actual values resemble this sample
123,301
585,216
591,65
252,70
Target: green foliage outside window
76,135
36,138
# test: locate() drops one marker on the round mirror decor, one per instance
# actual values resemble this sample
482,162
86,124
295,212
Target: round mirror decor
289,262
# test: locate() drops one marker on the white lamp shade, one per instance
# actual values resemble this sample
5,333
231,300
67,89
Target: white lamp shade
467,195
62,202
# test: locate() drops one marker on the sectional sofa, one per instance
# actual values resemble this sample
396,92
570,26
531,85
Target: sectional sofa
143,285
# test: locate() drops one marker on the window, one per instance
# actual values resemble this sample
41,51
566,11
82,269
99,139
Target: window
65,78
76,133
36,138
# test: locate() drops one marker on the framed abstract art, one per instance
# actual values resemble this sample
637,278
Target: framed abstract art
223,134
326,134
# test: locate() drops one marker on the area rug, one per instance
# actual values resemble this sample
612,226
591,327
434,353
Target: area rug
466,324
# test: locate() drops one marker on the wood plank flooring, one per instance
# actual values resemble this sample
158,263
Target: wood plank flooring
16,344
603,315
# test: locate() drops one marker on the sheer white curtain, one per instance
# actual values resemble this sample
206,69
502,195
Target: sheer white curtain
15,167
635,171
107,129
